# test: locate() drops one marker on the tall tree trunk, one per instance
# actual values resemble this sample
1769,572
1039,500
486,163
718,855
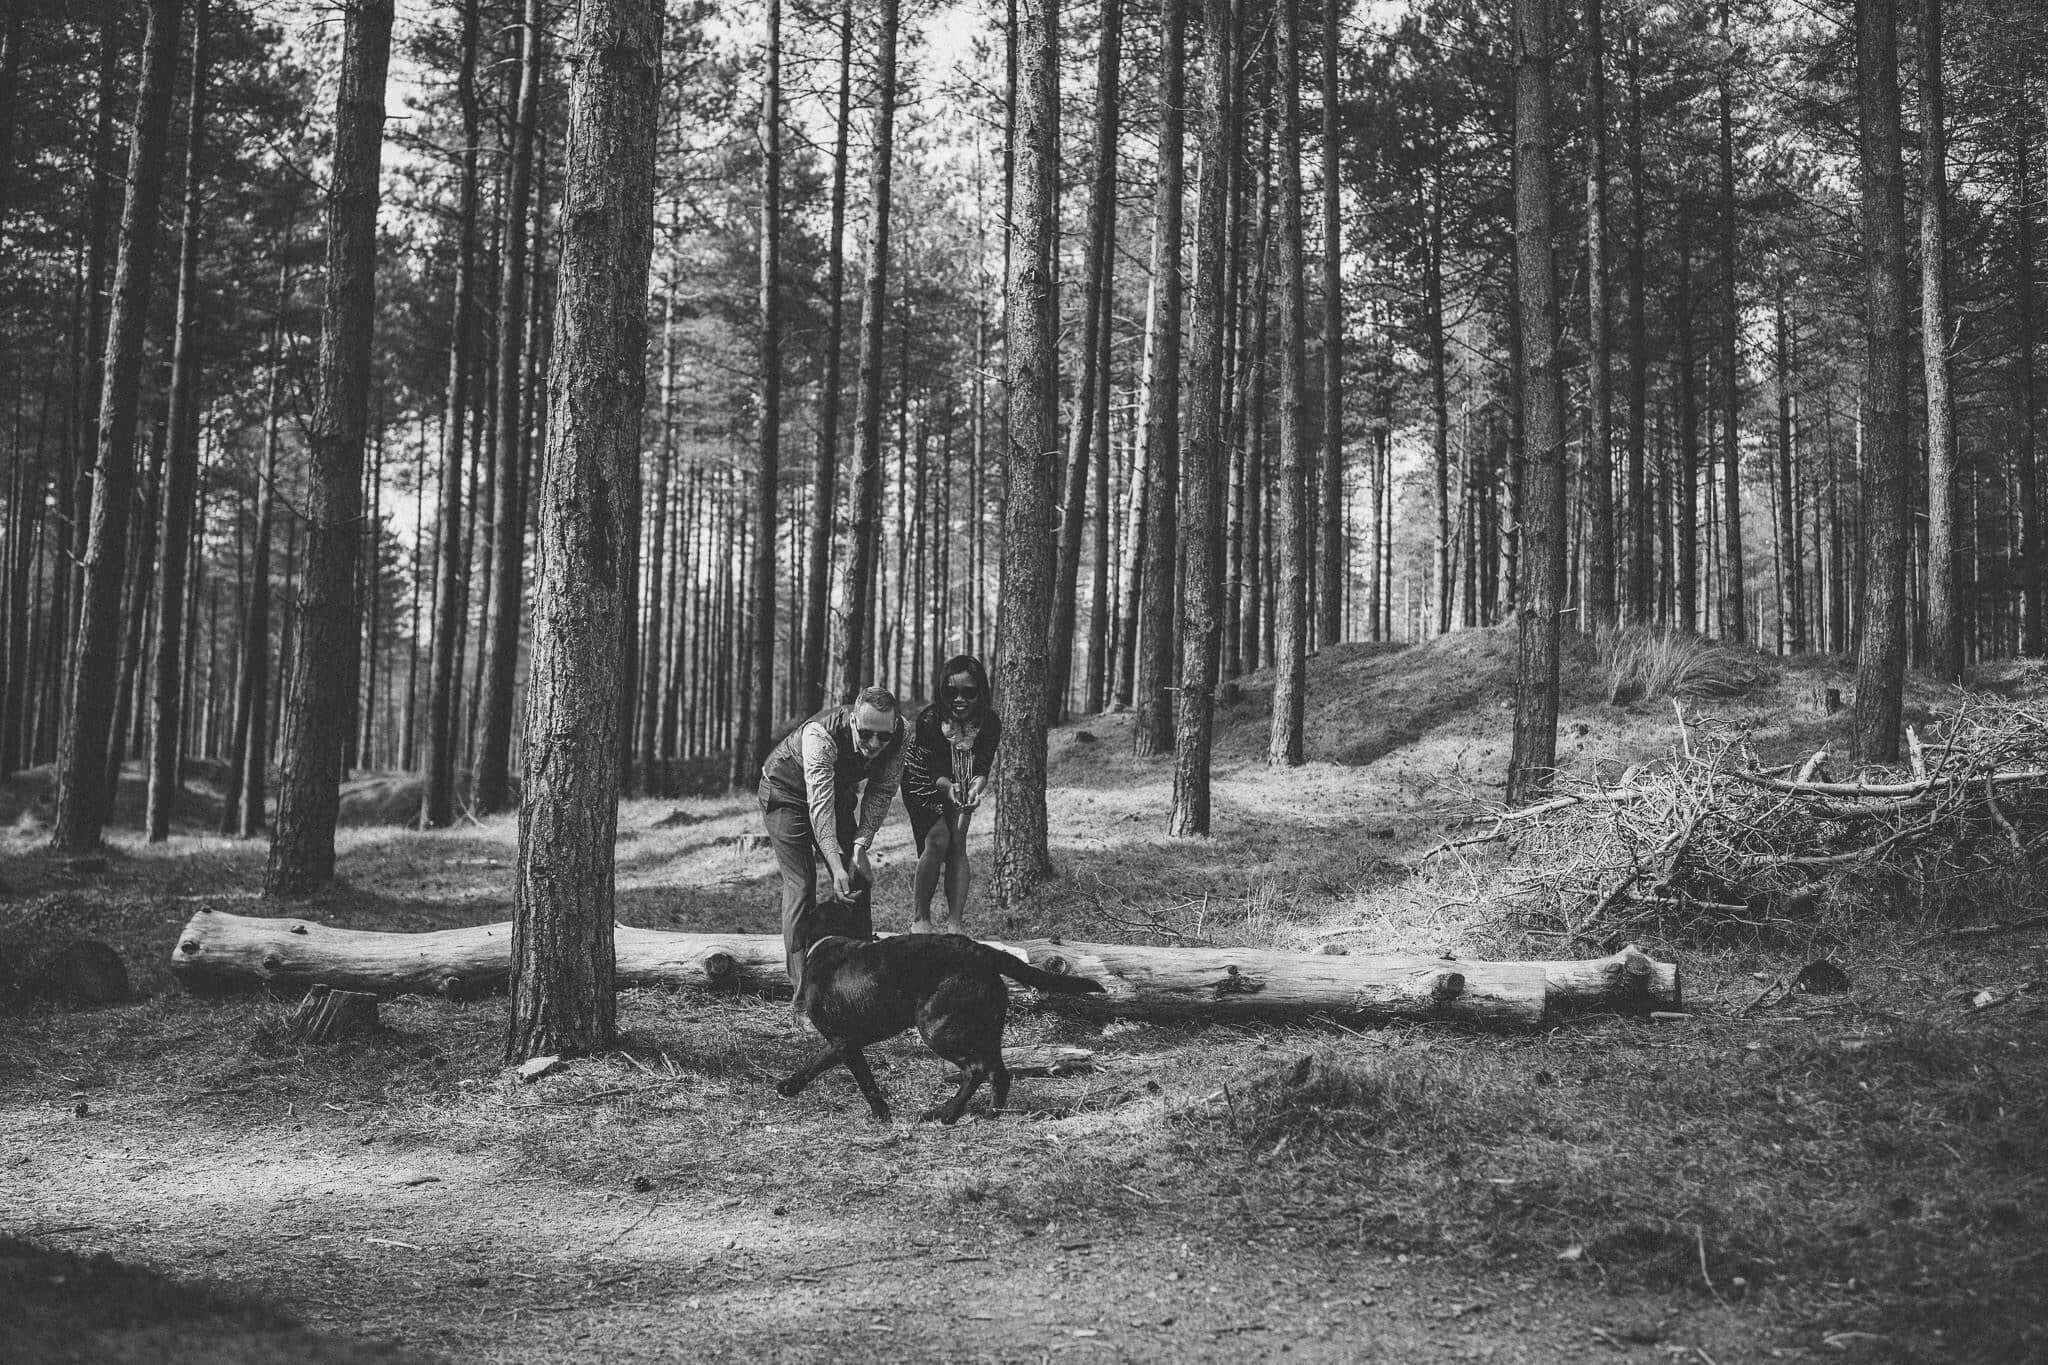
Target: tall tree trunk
2033,629
1642,537
825,473
1099,605
1734,589
1788,491
568,810
1153,731
181,472
125,737
1131,572
1433,305
1685,517
1098,271
857,661
437,808
768,479
492,789
1335,560
1881,658
1290,667
1541,597
1200,566
661,554
1944,642
316,711
1031,386
82,749
242,814
1601,610
75,481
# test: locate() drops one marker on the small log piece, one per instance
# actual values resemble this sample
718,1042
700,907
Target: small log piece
327,1015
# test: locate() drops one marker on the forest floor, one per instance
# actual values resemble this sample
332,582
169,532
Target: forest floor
1855,1177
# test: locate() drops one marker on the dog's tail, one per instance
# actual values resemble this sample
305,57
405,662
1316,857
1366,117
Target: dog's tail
1017,969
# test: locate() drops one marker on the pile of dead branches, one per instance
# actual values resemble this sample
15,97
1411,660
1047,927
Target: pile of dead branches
1712,840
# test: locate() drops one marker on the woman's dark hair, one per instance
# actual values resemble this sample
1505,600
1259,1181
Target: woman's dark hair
968,664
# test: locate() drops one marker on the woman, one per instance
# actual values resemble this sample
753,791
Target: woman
945,770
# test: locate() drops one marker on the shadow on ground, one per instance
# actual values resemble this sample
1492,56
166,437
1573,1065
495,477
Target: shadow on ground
58,1306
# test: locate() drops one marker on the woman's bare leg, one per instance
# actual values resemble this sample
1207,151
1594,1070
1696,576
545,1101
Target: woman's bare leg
958,875
930,864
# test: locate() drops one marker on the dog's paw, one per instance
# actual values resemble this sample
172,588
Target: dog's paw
787,1089
879,1115
938,1114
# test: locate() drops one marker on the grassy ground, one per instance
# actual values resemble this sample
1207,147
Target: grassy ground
1857,1176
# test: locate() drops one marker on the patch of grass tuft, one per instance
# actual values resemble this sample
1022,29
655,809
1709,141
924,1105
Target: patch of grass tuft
1641,663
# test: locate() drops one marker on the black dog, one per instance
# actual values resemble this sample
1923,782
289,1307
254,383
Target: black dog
858,991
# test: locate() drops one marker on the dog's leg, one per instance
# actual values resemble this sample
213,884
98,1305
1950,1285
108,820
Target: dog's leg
857,1063
998,1086
814,1068
972,1074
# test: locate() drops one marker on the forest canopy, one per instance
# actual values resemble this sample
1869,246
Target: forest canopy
1364,322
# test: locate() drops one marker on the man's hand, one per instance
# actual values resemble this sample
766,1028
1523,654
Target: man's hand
863,869
842,885
974,787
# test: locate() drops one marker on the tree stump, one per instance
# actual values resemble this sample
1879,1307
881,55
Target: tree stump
327,1015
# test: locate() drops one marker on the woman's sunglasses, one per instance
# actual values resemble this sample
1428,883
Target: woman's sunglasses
962,693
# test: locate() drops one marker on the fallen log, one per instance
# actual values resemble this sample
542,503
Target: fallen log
221,951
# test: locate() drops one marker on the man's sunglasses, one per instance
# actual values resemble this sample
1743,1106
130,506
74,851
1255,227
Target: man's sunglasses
962,693
877,736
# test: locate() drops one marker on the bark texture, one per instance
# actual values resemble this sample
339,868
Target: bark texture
1290,624
1734,592
1541,596
1601,610
1201,527
1881,657
1158,589
1333,565
316,720
83,797
857,661
1031,385
562,967
752,744
451,593
1097,273
181,472
1944,637
492,790
825,473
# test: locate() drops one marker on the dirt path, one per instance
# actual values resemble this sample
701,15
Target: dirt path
446,1253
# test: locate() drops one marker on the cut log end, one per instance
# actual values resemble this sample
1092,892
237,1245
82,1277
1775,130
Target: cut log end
326,1015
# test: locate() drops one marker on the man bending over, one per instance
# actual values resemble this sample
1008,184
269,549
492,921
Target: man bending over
825,790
